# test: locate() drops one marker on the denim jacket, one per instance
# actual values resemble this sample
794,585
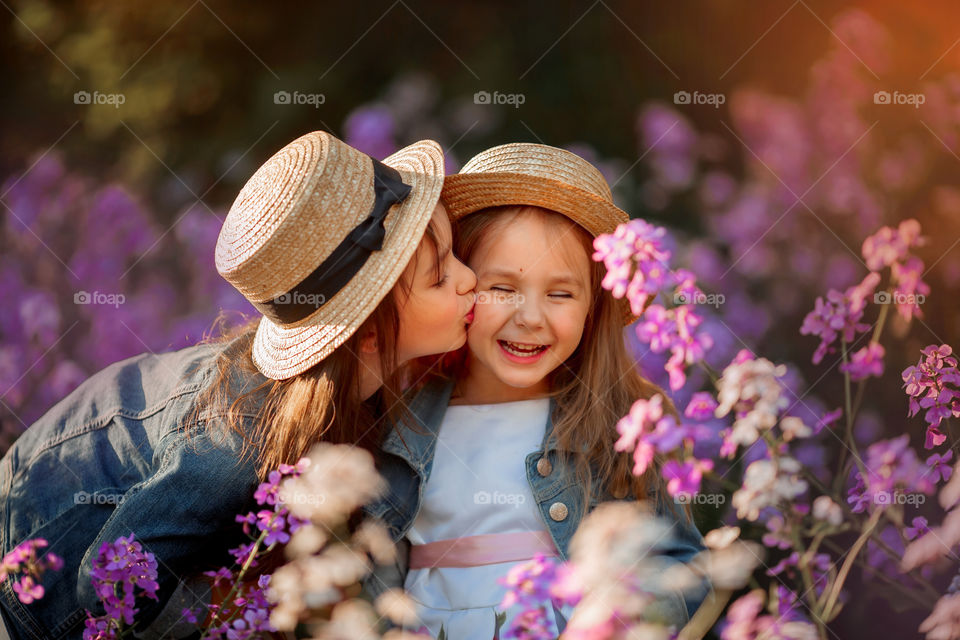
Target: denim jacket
112,459
406,459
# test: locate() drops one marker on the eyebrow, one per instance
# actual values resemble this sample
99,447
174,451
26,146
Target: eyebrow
507,273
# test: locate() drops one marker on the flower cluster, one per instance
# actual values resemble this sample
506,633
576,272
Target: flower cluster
932,384
751,388
245,611
84,269
534,586
637,267
121,571
745,622
891,247
839,316
326,556
25,559
892,470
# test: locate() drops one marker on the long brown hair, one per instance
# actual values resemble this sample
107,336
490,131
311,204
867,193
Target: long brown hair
597,384
320,404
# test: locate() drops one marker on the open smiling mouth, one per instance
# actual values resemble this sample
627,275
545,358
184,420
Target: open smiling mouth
522,350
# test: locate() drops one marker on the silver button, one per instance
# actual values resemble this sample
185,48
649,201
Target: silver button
544,468
558,511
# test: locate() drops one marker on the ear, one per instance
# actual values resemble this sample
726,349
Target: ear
368,342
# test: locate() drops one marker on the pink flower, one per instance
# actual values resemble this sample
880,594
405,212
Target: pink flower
644,414
839,316
889,246
683,478
866,362
701,406
931,385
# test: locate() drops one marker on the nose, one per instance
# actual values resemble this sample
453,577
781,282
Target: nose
465,278
528,313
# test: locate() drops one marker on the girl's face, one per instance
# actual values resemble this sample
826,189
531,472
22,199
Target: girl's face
533,288
435,313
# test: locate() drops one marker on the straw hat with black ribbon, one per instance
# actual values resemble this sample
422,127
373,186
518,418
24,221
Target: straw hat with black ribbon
522,173
317,238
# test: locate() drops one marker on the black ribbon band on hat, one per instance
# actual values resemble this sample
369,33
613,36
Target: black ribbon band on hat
346,259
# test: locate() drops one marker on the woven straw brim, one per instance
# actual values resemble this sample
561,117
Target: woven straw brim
466,193
282,352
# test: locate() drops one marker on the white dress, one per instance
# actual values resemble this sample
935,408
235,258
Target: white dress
478,485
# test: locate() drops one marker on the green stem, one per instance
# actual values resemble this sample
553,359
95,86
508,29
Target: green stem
923,601
706,616
804,565
853,408
834,593
236,585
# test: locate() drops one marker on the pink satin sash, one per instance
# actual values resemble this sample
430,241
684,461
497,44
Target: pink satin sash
474,551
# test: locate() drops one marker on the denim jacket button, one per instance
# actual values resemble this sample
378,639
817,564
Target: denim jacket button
544,468
558,511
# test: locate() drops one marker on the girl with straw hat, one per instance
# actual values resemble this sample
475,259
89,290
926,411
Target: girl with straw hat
348,262
519,439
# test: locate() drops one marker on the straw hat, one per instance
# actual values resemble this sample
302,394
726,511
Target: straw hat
318,236
522,173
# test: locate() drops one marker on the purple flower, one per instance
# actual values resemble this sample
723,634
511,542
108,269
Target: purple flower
701,406
931,385
530,583
533,585
892,470
865,362
273,524
668,435
940,466
120,569
917,528
684,478
828,419
819,566
839,316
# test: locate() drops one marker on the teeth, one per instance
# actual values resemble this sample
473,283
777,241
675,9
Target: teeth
521,350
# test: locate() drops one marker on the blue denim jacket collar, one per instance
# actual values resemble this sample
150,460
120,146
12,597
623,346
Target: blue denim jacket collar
417,442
